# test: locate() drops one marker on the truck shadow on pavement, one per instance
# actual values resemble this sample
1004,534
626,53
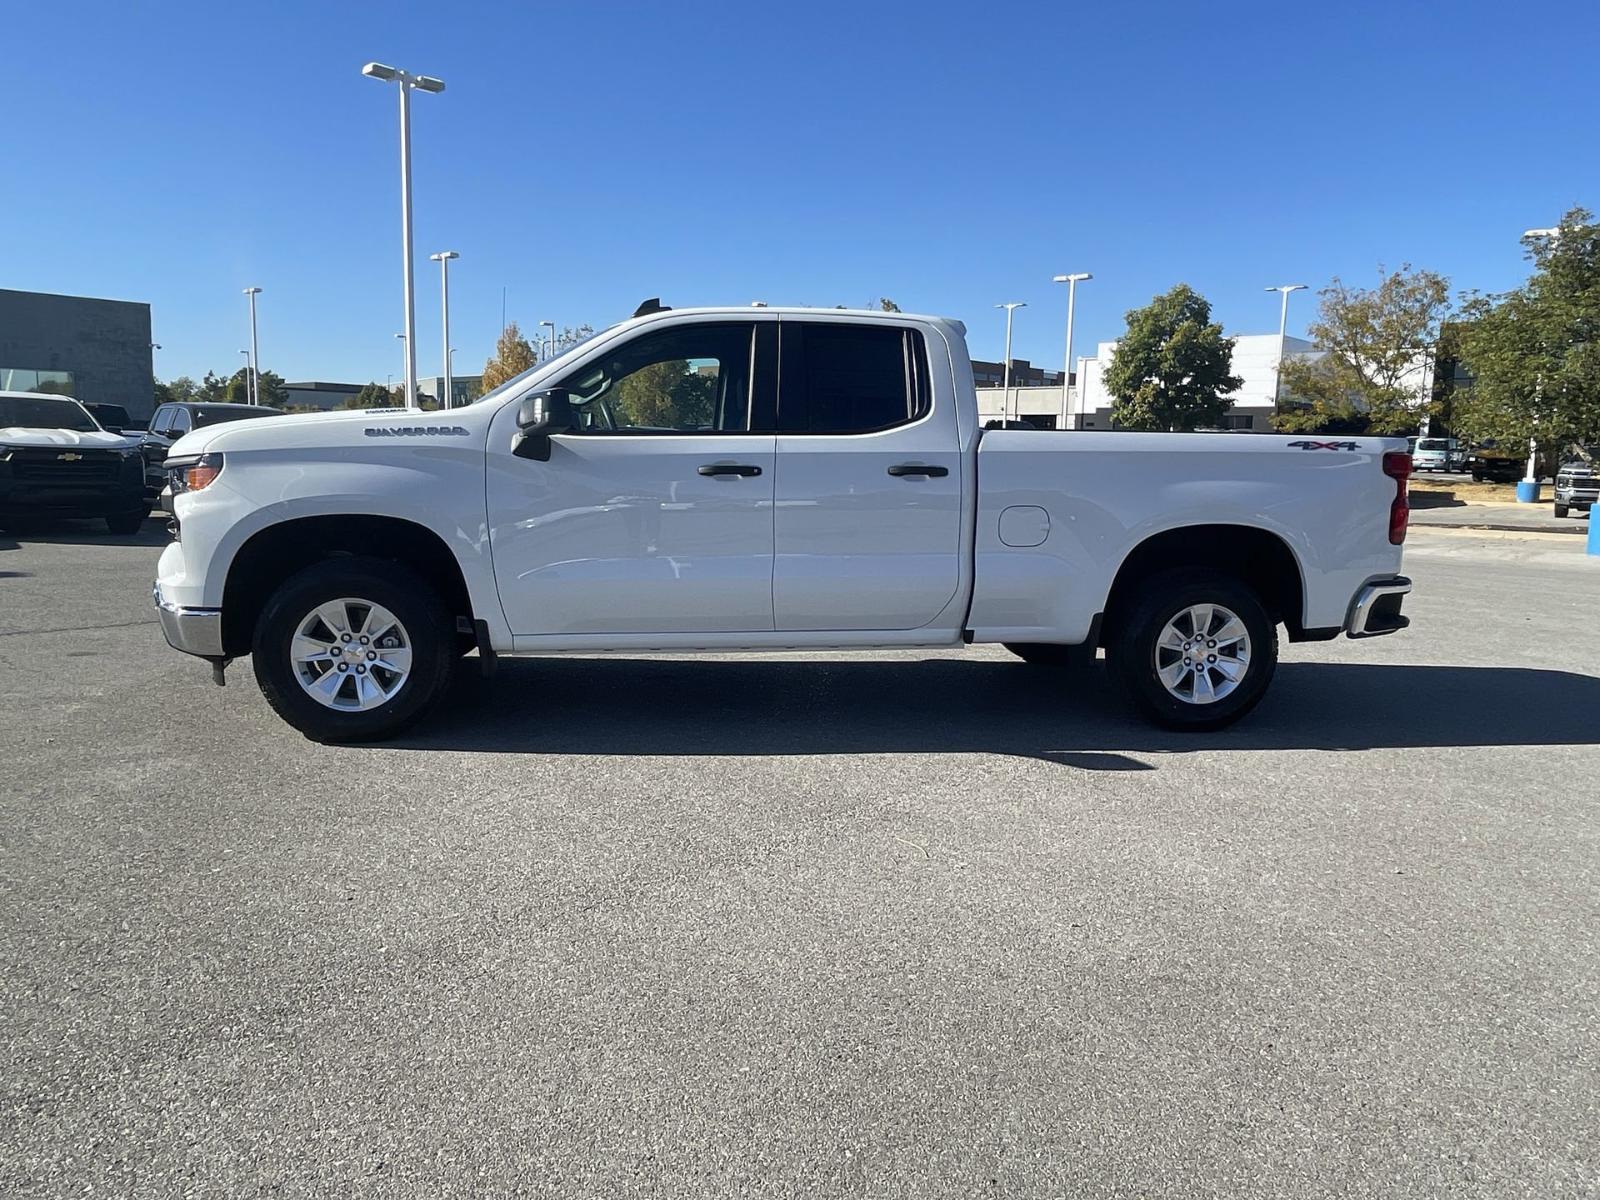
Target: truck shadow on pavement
83,533
609,706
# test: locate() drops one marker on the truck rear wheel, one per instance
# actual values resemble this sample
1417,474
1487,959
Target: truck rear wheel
351,649
1195,651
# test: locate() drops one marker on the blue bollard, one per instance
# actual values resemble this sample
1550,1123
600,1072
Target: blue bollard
1594,534
1527,491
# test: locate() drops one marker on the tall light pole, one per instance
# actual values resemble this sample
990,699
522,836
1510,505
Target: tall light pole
426,83
443,259
1072,282
406,363
1011,309
255,350
1283,333
551,326
1528,489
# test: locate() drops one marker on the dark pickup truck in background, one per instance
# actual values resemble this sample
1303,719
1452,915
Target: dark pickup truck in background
1578,481
171,421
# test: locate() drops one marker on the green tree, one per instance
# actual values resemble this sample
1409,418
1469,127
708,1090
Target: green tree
181,389
211,390
1171,369
571,336
512,356
269,387
371,395
1377,341
1534,353
666,395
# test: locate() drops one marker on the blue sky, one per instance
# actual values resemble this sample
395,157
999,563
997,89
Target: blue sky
950,156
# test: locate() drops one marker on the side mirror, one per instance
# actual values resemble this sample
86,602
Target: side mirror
539,416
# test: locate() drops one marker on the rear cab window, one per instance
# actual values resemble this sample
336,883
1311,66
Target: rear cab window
836,378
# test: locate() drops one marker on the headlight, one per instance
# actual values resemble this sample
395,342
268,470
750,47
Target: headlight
194,474
5,453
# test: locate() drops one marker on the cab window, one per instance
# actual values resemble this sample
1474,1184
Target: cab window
840,378
683,379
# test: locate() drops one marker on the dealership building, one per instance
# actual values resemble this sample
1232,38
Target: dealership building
1087,404
97,351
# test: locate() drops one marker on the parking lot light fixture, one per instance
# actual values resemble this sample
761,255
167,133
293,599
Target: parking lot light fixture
1005,400
1072,282
1283,332
443,259
255,349
1528,488
423,83
551,326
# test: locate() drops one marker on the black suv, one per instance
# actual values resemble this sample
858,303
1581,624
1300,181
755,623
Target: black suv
172,421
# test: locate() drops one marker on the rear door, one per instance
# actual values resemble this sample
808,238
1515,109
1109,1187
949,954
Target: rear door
868,517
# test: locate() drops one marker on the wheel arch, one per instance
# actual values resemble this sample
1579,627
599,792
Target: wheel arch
272,554
1258,557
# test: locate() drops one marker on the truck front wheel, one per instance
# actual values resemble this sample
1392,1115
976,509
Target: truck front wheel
1195,651
352,649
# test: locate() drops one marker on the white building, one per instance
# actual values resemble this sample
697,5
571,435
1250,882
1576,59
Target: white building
1255,362
1088,404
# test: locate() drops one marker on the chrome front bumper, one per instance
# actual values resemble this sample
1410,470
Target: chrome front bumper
1376,608
195,631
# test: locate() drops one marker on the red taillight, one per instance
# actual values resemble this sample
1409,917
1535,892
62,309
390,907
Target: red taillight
1397,466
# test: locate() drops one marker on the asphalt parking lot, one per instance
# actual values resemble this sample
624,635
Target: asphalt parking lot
899,924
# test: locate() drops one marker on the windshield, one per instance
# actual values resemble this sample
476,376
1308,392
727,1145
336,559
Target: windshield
40,412
516,380
1433,444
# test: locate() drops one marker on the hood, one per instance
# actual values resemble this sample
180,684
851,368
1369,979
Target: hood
97,440
342,427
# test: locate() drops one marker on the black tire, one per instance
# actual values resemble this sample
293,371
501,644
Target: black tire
1047,654
127,524
1477,477
1560,510
414,603
1132,650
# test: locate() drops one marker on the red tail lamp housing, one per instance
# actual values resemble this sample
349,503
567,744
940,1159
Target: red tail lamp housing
1397,466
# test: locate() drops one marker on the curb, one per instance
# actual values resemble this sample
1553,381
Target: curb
1576,529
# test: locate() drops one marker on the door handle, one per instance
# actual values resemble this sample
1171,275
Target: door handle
903,469
744,469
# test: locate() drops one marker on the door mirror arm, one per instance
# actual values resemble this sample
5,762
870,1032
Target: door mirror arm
538,416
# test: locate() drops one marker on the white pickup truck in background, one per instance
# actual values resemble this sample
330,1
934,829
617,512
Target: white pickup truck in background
762,478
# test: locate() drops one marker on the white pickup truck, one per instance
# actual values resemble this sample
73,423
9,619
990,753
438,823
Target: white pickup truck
763,478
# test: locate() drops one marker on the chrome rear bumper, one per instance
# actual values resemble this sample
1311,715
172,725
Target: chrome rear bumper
196,631
1376,608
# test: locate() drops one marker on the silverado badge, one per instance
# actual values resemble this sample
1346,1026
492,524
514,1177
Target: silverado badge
68,457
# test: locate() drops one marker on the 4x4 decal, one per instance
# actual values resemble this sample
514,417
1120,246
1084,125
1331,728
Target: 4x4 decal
1322,445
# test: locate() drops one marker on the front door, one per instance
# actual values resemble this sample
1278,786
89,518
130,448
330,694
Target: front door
654,514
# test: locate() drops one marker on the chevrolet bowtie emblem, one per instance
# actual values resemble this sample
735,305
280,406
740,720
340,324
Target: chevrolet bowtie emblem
68,457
